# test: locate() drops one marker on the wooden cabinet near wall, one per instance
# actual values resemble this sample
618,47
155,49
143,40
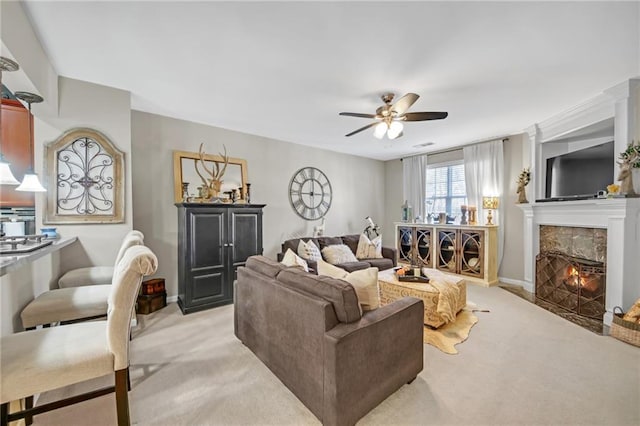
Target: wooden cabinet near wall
470,251
16,148
213,241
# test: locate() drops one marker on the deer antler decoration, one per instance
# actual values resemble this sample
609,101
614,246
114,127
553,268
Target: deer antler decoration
214,183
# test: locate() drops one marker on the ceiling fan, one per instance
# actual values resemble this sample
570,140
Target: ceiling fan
389,117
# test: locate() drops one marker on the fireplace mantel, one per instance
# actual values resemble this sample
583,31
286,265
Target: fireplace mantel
621,218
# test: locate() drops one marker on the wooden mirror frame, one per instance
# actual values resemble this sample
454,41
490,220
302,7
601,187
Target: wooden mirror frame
178,156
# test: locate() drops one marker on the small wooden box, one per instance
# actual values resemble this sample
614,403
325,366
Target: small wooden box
153,286
151,303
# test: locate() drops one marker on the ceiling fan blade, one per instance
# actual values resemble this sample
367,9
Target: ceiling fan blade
422,116
357,114
403,104
362,128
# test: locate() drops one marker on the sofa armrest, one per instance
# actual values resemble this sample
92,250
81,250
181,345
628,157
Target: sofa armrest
390,253
368,360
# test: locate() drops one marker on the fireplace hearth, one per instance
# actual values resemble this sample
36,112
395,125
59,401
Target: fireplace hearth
573,283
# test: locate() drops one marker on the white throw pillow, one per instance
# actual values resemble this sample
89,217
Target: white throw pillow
292,259
369,249
337,254
309,251
325,268
364,281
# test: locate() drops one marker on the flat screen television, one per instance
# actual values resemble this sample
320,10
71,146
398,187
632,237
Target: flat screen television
580,174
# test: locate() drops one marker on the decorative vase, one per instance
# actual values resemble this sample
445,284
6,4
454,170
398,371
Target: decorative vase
185,192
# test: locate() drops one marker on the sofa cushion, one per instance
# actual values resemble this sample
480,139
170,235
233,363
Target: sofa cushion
341,294
328,241
369,249
292,259
354,266
337,254
381,264
264,265
308,250
351,241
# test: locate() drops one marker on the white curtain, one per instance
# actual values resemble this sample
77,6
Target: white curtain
483,174
414,185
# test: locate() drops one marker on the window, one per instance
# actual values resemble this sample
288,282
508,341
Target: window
446,190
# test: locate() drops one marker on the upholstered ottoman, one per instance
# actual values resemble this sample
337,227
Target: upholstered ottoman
66,304
391,289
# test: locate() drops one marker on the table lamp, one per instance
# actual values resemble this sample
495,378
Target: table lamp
490,203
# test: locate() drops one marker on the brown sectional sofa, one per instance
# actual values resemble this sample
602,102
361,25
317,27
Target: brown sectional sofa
388,261
309,331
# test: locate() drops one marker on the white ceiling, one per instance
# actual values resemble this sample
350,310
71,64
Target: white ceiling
285,70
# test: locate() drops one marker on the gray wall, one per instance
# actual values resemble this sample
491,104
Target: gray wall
357,184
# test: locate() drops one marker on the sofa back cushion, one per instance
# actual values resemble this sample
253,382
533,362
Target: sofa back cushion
293,244
340,293
351,241
265,266
328,241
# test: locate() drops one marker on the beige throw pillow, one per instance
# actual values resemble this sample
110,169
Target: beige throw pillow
364,281
309,251
292,259
337,254
369,249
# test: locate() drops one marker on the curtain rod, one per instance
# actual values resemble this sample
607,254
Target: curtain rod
442,151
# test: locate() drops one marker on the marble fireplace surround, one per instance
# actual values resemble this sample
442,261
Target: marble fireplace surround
619,216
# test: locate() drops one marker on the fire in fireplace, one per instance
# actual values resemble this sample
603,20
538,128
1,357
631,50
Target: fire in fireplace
573,283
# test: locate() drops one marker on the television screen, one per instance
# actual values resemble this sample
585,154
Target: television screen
580,173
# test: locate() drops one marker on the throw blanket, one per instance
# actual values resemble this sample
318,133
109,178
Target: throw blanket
449,293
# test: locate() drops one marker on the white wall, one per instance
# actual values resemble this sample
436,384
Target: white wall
393,200
358,184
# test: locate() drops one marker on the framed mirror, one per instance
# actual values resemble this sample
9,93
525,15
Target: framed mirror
184,171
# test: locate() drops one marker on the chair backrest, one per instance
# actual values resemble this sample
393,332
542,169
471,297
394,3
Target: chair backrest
133,238
137,262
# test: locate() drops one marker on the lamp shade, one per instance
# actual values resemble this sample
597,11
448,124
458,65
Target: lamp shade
490,202
395,128
6,177
380,130
31,183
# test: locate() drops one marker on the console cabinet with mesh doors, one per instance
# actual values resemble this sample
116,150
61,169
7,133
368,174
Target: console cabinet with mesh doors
213,241
468,251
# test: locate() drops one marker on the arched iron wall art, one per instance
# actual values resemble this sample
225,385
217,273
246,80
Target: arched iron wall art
85,174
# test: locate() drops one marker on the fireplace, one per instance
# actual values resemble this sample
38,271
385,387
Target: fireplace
572,283
571,269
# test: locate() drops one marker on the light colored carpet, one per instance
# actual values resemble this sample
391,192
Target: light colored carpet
522,366
447,336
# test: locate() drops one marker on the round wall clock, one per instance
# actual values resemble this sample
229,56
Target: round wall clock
310,193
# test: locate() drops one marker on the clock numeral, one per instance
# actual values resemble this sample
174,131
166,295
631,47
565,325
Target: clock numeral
312,173
313,213
297,204
304,175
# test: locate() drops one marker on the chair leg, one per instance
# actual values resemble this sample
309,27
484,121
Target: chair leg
28,404
411,381
122,398
128,380
4,414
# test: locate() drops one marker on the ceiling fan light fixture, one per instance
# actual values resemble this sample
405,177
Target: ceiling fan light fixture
395,129
380,130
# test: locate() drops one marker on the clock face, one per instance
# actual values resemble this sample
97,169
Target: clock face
310,193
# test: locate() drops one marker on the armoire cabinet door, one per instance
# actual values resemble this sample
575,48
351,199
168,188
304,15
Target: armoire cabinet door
207,274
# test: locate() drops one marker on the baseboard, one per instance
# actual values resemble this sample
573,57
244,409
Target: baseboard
525,285
172,299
